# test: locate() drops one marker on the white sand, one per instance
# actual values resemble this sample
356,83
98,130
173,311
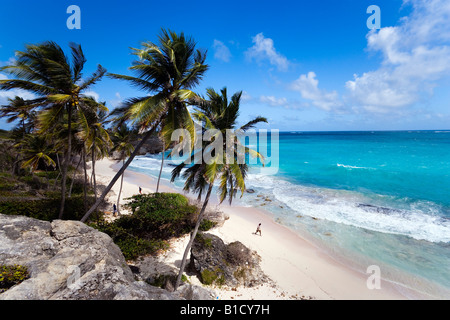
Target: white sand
297,268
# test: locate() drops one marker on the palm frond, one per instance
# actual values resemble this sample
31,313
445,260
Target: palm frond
251,124
78,61
94,78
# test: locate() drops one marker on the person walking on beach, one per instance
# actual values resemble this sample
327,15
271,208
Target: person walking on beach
114,210
140,190
258,229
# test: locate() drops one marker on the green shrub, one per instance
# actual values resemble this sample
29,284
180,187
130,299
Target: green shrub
155,219
161,215
206,225
210,277
161,207
205,242
12,275
133,247
48,209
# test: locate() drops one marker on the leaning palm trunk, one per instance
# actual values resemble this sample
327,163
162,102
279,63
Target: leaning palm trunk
120,190
66,163
93,170
85,181
59,171
193,235
73,177
162,165
118,174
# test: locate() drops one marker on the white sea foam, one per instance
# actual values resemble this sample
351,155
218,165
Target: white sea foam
352,167
420,221
347,208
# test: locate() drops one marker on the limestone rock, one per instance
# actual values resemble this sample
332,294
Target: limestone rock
155,272
233,264
68,260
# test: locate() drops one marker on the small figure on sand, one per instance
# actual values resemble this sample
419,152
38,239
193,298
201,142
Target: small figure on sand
114,209
140,190
258,229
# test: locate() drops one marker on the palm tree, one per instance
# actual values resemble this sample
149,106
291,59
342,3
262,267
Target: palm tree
96,138
45,70
122,144
20,109
219,114
36,150
167,72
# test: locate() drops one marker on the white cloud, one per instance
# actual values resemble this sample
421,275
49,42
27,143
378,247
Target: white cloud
221,51
92,94
116,102
246,97
416,54
274,102
10,94
10,61
282,102
308,86
263,49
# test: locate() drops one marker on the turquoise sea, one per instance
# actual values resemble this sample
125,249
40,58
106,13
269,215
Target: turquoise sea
367,198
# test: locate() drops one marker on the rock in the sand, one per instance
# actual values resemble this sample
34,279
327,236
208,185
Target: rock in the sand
68,260
218,263
157,273
190,292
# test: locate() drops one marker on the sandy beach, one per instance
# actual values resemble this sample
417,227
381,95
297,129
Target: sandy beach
297,268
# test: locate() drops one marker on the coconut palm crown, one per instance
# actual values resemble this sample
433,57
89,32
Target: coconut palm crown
57,80
220,114
167,72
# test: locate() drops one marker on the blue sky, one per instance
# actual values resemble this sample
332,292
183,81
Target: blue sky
305,65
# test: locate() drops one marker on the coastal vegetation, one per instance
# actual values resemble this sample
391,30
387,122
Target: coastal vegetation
12,275
166,73
219,113
62,130
155,219
57,82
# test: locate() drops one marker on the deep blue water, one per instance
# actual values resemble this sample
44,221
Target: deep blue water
412,165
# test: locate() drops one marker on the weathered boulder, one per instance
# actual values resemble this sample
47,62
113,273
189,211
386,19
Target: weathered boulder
190,292
157,273
68,260
218,263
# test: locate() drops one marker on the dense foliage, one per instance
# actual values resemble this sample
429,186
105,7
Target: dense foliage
12,275
155,219
45,209
33,196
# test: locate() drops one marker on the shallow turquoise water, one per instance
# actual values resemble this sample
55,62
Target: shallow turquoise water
366,197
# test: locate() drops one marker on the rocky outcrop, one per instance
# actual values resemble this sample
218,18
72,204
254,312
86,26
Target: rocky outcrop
70,260
153,145
225,264
155,272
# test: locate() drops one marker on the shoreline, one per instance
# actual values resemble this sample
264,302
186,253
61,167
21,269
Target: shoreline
300,269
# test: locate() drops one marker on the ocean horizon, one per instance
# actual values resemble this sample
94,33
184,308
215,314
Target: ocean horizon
366,197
